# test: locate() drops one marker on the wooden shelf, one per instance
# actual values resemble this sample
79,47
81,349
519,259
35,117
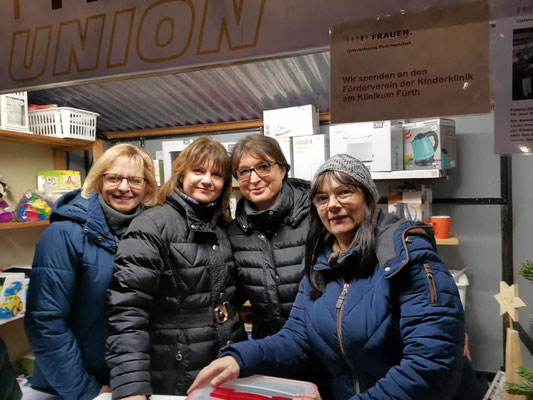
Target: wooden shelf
451,241
21,225
410,174
41,140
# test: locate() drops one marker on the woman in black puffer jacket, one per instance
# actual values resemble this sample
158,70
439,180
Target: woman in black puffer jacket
269,231
172,294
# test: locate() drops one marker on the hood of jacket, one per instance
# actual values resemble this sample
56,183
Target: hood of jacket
88,213
399,242
292,207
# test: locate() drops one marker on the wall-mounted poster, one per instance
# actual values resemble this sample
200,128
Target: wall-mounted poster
513,84
414,65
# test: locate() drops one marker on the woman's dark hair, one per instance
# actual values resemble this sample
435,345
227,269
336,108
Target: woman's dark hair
263,147
317,238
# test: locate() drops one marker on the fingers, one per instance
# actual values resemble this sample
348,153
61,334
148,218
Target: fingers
216,373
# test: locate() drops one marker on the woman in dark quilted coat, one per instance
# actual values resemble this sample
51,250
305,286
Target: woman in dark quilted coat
172,294
269,231
377,306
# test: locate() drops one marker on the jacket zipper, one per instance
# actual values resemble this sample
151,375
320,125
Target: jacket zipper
276,276
431,282
340,308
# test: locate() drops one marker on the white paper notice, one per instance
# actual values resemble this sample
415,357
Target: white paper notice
513,85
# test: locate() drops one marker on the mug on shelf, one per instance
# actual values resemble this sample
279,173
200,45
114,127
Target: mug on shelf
441,225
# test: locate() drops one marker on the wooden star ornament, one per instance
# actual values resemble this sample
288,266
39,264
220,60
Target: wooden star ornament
509,300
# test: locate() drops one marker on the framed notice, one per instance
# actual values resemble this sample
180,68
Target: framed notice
513,84
424,64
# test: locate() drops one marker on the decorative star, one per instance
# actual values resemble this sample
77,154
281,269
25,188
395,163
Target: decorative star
509,300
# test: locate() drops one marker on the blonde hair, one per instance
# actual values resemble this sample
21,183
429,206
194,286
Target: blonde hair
137,156
200,152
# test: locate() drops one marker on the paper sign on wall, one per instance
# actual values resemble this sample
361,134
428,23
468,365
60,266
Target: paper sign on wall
513,85
415,65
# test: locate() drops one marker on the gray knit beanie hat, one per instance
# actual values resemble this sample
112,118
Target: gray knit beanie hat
353,167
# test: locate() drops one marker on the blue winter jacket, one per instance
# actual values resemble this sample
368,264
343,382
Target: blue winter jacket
67,299
398,334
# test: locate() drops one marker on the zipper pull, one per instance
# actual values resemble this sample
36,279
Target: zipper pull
342,295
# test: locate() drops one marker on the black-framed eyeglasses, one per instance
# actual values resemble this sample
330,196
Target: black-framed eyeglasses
343,195
116,179
261,170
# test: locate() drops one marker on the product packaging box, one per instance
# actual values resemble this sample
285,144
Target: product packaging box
292,121
411,204
13,287
171,151
14,112
379,144
429,144
309,152
286,148
58,180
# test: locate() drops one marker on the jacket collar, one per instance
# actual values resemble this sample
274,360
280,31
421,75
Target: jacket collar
194,220
88,213
291,209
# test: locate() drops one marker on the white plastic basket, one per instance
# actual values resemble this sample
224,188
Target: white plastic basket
64,122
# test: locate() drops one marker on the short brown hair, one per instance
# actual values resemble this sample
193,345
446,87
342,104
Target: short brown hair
202,150
263,147
138,156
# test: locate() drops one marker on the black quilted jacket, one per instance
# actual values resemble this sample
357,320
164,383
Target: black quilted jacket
172,285
268,247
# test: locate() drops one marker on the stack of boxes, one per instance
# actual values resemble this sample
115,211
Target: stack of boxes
297,130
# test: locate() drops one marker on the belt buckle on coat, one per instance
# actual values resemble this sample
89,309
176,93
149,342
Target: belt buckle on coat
222,313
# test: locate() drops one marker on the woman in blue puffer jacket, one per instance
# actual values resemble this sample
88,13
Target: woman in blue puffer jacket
73,265
376,305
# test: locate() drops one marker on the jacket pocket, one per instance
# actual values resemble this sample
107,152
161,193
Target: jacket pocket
431,283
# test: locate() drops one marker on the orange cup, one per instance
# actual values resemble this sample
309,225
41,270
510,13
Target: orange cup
441,225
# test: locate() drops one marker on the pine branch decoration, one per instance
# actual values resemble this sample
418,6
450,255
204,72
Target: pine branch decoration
525,388
526,270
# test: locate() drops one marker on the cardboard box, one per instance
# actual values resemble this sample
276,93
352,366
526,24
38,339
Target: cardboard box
429,144
58,180
379,144
415,203
171,151
292,121
309,152
286,148
13,289
14,112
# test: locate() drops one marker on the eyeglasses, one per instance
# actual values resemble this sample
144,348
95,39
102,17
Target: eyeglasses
342,194
133,181
261,170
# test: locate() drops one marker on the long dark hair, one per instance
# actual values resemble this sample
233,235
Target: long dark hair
317,238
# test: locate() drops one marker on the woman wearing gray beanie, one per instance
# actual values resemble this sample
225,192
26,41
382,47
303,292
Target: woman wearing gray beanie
377,305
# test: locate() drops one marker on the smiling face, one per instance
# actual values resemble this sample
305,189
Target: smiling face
342,218
203,183
123,197
263,191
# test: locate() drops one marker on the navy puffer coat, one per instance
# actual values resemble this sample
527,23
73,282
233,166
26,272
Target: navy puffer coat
67,299
398,334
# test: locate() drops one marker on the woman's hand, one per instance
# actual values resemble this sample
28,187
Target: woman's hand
216,373
135,397
305,396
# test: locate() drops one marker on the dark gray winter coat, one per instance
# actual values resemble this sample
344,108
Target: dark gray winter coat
174,267
268,247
